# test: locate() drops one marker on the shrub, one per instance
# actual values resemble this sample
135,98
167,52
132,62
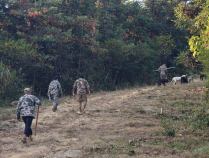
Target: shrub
11,86
169,128
200,118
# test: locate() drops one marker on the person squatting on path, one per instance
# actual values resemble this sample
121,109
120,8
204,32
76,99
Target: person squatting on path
82,85
26,108
163,75
54,90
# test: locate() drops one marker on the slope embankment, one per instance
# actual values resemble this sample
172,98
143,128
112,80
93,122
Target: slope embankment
116,124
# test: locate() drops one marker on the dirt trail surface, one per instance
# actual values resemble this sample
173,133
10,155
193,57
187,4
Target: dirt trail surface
116,124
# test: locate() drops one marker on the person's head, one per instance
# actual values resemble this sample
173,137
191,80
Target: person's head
27,91
81,76
56,77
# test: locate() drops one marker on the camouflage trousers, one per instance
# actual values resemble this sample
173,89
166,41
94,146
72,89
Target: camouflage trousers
163,76
82,98
55,97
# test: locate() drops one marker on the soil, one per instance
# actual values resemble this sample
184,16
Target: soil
124,123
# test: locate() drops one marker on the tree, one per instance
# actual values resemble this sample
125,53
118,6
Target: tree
193,16
109,42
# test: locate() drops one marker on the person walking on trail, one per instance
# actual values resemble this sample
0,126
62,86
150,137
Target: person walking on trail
163,75
82,87
26,108
54,90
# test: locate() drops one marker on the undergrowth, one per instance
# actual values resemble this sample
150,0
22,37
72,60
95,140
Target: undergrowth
169,127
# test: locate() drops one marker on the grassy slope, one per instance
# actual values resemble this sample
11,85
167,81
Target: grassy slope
116,124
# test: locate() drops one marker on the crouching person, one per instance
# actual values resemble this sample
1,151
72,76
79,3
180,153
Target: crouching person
82,87
26,108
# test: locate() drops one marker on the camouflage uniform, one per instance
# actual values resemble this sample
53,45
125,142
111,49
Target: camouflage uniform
26,105
82,88
163,71
54,89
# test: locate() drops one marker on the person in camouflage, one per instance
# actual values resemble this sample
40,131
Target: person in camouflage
26,108
163,75
82,87
54,90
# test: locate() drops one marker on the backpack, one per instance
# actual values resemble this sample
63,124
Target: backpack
53,87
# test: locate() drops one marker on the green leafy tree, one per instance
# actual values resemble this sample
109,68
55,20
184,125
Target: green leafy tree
113,43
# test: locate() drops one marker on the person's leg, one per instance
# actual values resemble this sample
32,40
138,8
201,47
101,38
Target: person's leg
80,106
161,75
28,130
29,122
24,136
30,138
79,101
84,101
55,97
80,110
159,82
24,119
53,103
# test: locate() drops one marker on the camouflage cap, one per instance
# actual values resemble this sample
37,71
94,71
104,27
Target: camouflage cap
26,90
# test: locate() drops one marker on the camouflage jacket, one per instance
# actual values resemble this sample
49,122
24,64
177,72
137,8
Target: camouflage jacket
162,69
54,88
81,85
26,105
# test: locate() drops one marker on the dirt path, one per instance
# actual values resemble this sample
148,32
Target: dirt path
116,124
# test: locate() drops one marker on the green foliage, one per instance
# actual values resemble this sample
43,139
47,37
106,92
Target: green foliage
113,44
170,128
11,86
194,17
200,118
5,78
203,149
187,59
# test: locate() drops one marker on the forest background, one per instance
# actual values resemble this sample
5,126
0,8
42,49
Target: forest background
114,44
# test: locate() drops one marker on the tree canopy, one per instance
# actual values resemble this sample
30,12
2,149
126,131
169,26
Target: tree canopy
193,16
113,43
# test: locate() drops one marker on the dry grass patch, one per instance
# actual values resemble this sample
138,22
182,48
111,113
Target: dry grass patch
128,123
7,113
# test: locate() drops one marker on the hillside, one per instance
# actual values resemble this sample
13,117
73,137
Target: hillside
116,124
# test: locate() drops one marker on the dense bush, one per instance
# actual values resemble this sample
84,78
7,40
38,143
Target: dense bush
11,85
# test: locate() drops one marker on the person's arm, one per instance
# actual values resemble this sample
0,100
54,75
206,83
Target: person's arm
37,101
74,87
159,69
60,88
166,70
19,109
88,87
49,91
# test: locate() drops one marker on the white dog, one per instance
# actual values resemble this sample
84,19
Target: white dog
175,79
